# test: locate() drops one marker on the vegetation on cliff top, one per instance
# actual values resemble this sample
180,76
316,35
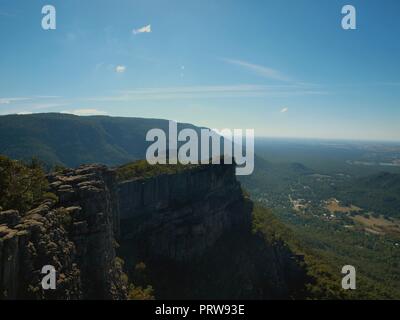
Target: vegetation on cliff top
142,169
22,186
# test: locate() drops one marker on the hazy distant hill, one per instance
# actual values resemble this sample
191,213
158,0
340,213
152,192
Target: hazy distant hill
274,177
383,180
72,140
379,193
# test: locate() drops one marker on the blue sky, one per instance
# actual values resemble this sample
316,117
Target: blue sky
284,68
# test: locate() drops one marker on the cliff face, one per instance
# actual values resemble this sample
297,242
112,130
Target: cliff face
179,216
76,236
91,192
192,229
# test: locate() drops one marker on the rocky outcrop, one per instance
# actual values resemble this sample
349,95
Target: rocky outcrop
76,236
179,216
30,242
89,193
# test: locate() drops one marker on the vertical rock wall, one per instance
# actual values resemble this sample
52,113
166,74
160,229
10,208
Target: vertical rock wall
179,216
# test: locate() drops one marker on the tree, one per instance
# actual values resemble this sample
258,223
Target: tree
21,186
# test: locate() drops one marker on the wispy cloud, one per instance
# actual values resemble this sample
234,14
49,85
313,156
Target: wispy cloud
39,105
6,14
98,66
85,112
284,110
70,36
120,69
262,71
145,29
43,103
15,100
12,100
47,97
207,92
389,84
25,105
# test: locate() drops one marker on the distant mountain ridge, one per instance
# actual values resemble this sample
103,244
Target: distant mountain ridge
70,140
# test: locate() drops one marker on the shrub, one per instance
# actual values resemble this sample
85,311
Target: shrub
50,196
139,293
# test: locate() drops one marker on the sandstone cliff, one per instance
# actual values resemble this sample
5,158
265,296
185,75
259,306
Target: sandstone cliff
191,228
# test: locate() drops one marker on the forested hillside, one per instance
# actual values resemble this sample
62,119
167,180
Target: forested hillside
64,139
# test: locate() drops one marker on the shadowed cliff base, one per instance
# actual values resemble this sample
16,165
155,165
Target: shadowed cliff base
240,265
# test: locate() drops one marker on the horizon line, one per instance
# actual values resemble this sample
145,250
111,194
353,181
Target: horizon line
347,139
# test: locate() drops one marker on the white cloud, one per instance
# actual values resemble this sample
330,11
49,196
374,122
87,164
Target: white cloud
86,112
260,70
145,29
24,112
120,69
284,110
